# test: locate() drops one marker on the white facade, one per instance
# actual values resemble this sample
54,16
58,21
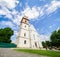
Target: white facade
28,36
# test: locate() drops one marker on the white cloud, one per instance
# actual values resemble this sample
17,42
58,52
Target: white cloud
53,6
2,12
7,24
10,14
13,38
5,11
41,12
17,19
13,15
9,3
31,12
15,32
6,5
44,38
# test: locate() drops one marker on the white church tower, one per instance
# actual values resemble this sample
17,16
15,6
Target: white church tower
24,39
28,36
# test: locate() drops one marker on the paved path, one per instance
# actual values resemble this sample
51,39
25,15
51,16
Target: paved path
6,52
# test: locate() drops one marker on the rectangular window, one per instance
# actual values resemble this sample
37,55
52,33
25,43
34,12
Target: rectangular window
24,34
25,26
24,41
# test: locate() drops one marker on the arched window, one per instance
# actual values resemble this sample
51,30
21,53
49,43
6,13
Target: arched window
35,44
24,41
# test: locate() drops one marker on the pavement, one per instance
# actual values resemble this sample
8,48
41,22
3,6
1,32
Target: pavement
8,52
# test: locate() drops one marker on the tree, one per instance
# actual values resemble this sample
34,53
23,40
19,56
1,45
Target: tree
43,44
55,38
5,35
46,44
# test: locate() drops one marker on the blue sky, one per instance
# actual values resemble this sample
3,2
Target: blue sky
44,15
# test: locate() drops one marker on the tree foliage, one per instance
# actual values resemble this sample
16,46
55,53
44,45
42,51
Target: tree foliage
43,44
5,35
55,38
46,44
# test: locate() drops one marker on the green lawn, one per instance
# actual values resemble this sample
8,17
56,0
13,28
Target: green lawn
49,53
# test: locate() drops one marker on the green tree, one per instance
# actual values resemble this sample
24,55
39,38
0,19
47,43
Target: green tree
5,35
55,38
46,44
43,44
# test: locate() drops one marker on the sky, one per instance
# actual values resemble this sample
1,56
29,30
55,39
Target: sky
44,15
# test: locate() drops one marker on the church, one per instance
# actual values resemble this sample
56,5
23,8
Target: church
27,35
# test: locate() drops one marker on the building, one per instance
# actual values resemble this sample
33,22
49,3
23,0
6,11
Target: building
27,35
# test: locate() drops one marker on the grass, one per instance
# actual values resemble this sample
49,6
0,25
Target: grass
49,53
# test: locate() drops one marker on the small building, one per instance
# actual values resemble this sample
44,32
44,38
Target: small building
27,35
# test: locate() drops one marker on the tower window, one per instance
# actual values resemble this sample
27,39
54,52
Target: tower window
24,41
24,34
25,26
35,44
25,21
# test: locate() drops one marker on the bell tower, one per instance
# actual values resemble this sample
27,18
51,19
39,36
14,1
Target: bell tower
24,36
25,20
